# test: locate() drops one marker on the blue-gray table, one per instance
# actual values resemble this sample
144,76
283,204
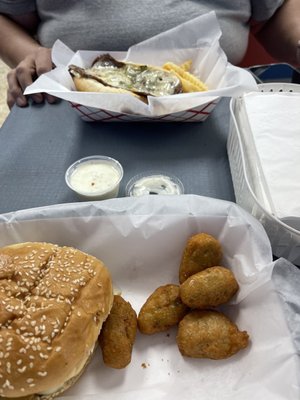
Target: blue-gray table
39,142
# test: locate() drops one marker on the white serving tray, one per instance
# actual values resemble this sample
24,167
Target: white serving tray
248,181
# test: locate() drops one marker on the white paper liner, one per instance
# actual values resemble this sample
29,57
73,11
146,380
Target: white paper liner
197,39
141,241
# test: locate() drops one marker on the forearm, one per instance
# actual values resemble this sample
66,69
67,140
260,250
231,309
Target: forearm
281,34
15,42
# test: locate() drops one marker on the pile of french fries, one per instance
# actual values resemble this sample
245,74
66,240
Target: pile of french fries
190,83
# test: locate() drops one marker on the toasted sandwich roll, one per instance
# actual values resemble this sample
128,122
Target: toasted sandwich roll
111,76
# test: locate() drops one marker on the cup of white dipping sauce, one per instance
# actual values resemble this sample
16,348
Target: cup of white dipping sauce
95,177
154,183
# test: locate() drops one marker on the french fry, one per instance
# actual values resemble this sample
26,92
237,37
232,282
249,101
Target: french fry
189,82
186,65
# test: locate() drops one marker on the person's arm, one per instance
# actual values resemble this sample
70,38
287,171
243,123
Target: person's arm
27,58
281,34
16,38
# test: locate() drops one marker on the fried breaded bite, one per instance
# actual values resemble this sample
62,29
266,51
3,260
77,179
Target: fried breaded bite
209,334
201,251
209,288
118,334
162,309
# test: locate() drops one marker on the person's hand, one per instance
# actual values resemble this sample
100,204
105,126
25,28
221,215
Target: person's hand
25,73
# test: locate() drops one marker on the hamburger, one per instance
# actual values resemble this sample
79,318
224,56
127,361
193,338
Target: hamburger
53,302
108,75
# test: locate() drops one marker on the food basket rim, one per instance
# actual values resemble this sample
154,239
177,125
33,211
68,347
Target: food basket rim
279,87
232,103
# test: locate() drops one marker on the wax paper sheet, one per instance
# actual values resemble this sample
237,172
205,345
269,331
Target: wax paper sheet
197,39
141,241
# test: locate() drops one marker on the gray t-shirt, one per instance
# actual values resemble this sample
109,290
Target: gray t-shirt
118,24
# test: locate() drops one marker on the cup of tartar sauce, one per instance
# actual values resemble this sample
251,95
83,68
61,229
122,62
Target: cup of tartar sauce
154,183
95,177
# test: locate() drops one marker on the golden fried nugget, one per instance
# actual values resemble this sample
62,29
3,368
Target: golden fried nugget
118,334
209,288
162,309
209,334
201,251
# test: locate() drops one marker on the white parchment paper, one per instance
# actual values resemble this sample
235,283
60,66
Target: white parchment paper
197,39
141,240
274,121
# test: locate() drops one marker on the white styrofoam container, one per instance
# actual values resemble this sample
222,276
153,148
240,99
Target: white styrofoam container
248,181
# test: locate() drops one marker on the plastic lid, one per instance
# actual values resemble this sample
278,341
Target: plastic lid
154,183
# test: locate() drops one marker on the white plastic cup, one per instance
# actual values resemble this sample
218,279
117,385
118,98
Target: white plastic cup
95,177
154,183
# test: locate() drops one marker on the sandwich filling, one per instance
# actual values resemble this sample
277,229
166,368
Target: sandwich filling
140,79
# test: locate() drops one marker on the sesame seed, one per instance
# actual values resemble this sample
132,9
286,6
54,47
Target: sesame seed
7,385
42,373
8,367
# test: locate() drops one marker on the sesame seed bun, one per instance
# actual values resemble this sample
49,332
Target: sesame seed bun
53,302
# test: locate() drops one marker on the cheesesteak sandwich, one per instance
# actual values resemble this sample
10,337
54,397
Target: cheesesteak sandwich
53,302
108,75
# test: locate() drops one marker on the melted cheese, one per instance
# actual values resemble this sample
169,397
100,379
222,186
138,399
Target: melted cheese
137,78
